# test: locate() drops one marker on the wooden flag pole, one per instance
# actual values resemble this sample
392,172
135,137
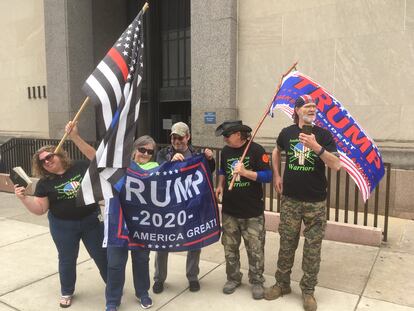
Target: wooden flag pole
261,122
86,101
145,7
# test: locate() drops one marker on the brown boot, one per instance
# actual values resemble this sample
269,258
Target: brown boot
276,291
309,302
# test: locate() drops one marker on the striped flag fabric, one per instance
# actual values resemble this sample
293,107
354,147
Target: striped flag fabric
115,88
357,151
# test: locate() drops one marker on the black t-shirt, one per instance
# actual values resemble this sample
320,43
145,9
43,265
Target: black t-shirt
304,177
61,192
245,200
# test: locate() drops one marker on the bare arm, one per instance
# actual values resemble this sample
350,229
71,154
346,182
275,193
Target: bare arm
277,179
84,147
220,187
331,160
36,205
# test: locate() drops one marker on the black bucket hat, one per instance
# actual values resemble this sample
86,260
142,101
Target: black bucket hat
232,126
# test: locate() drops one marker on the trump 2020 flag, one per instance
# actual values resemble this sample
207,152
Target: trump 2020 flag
358,153
115,88
171,207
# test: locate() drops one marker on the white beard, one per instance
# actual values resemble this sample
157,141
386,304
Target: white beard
308,120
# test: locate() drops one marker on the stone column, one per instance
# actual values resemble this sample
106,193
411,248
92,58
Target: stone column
213,66
69,60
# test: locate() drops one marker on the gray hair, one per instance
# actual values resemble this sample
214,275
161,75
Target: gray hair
142,141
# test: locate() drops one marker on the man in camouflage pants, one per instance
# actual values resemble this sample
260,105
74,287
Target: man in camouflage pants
243,207
308,149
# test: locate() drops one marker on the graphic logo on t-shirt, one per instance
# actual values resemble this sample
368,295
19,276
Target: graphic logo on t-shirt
68,189
71,187
301,158
231,163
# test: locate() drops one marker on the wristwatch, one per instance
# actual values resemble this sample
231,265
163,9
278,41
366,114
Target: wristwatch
321,152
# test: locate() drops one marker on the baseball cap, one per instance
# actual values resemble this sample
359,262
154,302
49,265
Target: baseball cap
180,129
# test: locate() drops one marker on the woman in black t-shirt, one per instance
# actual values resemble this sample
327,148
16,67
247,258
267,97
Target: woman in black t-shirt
55,193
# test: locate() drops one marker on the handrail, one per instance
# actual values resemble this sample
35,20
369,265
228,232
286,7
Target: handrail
341,189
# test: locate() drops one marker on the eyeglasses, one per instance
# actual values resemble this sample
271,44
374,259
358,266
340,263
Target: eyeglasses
145,150
49,157
176,137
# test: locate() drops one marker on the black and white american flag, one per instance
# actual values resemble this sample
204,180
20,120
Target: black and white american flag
115,88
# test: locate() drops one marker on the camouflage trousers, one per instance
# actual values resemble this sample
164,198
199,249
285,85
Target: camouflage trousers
253,232
313,215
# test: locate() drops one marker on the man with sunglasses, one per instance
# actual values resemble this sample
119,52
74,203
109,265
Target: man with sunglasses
179,150
243,206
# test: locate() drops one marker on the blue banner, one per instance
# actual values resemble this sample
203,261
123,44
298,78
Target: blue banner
358,153
168,208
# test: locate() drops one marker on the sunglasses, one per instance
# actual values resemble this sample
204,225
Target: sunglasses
49,157
176,137
145,150
227,135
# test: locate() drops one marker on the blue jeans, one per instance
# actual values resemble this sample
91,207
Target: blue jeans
67,234
117,259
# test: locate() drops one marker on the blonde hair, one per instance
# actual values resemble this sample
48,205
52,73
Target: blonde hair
37,166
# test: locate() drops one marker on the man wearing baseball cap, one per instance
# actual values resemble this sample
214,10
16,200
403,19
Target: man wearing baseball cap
243,206
179,150
303,192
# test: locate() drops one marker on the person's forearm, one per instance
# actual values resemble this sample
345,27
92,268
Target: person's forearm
84,147
276,157
34,206
331,160
221,181
249,174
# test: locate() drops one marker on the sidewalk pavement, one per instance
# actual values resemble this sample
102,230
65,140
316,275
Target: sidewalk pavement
352,277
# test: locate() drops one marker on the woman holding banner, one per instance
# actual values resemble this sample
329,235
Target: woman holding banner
55,194
144,149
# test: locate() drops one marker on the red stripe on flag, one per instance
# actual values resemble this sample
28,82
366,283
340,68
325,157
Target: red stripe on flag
189,167
119,60
136,244
120,223
202,239
137,173
356,176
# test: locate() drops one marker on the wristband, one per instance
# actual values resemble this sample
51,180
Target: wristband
321,152
264,176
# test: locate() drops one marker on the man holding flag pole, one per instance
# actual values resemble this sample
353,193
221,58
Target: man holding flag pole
243,207
324,133
308,149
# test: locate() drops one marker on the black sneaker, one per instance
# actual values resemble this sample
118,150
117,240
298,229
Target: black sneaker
194,286
158,287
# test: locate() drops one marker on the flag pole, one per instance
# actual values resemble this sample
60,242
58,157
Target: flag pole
261,121
145,7
86,101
